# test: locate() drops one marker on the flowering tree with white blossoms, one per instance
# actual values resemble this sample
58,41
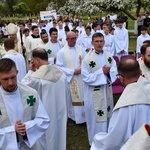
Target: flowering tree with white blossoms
125,5
72,7
78,7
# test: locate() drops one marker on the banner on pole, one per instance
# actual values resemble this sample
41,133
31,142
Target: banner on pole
48,15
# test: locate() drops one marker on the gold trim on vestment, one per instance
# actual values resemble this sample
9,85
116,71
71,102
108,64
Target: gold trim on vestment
78,103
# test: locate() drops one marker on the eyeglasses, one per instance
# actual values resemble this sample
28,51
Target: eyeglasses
73,38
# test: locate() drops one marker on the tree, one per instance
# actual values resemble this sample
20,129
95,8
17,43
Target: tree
21,8
76,7
9,5
125,5
93,6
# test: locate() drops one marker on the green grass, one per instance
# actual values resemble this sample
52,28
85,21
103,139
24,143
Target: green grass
130,24
132,42
77,134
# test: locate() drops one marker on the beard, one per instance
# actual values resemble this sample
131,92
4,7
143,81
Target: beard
147,63
11,88
45,41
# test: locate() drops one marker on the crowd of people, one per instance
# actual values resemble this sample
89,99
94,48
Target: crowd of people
52,70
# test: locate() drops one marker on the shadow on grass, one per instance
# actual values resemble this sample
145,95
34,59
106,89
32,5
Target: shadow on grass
77,134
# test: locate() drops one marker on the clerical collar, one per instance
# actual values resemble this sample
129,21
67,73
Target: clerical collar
35,36
99,52
53,42
71,47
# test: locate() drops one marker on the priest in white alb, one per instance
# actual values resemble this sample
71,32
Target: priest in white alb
46,44
32,41
16,57
98,73
131,111
51,84
69,59
54,44
23,119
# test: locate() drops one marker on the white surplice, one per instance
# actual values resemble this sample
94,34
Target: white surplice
17,48
19,61
52,49
49,49
141,38
139,140
14,107
86,41
121,38
109,43
52,87
76,113
55,46
81,29
92,79
61,33
31,43
130,113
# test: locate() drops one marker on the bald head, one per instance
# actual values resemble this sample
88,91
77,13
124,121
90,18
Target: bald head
70,34
40,53
71,38
129,68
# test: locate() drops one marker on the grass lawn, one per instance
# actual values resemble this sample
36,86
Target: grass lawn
132,42
77,134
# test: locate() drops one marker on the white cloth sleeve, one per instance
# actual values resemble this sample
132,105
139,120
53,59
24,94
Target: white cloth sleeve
37,127
8,138
93,79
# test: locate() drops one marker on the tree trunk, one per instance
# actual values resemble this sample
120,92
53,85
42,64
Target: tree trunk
123,10
138,7
129,14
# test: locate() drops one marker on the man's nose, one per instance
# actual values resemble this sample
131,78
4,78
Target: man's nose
10,81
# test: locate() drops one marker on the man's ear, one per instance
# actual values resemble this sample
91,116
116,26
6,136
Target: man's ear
121,78
142,56
38,59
